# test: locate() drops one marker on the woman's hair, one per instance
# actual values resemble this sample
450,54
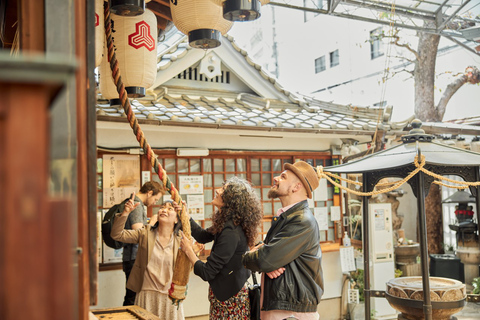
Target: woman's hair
242,205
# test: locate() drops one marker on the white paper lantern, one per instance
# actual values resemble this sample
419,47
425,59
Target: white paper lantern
201,20
135,40
106,85
99,32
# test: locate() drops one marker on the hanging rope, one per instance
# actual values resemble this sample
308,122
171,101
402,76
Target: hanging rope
420,166
182,266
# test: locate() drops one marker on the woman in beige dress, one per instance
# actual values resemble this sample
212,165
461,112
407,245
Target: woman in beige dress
151,278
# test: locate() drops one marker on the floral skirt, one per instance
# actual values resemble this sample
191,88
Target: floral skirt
236,307
159,304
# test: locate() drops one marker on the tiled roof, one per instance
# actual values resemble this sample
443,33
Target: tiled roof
242,112
296,112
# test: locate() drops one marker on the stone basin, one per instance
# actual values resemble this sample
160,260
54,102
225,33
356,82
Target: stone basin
406,296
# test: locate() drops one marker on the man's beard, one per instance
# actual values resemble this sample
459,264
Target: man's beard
275,193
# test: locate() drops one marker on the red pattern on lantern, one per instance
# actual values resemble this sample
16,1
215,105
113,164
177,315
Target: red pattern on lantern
97,20
142,37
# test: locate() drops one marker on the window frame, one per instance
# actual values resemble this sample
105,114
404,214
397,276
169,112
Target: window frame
261,176
334,58
376,43
321,66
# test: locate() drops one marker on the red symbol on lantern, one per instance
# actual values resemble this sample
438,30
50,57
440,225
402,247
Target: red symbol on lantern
141,37
97,20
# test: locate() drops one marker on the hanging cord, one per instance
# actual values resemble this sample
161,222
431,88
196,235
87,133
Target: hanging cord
182,266
386,69
420,166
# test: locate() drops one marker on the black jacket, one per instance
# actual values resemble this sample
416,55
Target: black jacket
293,242
223,270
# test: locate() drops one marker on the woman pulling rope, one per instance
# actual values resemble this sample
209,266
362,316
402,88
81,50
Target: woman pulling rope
183,266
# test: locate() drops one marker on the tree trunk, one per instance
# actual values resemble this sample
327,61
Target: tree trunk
434,217
425,110
424,75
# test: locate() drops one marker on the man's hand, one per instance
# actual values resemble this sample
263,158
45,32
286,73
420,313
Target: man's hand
257,246
275,273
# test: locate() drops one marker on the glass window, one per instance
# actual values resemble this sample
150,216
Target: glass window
194,165
320,64
99,182
266,165
208,211
99,165
208,195
241,165
376,43
229,165
334,58
207,165
218,165
218,180
255,164
256,179
277,165
266,179
207,180
170,165
182,165
265,193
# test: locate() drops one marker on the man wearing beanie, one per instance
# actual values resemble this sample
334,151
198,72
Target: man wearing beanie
290,259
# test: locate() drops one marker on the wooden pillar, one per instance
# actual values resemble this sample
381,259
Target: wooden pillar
35,273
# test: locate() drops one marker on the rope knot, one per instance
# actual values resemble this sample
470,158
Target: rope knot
320,173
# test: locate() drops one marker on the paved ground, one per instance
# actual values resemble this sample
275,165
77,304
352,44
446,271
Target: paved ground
469,312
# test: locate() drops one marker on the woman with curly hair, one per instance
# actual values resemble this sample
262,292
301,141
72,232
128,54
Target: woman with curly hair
234,229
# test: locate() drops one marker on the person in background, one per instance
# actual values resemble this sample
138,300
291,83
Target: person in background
148,195
234,228
291,254
152,278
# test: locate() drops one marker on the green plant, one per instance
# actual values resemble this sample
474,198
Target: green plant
476,285
356,277
447,247
398,273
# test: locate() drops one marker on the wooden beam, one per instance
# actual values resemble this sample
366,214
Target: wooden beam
164,2
32,25
160,10
161,23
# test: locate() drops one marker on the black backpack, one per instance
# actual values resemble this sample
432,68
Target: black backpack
107,225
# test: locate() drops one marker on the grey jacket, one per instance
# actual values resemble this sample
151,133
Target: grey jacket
293,242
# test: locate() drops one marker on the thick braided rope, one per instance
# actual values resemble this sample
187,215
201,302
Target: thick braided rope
183,265
322,174
457,184
151,156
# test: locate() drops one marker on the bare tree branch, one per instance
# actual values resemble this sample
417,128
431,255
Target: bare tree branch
448,93
406,46
471,75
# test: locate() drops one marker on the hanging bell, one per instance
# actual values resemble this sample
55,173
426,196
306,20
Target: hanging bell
127,7
241,10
